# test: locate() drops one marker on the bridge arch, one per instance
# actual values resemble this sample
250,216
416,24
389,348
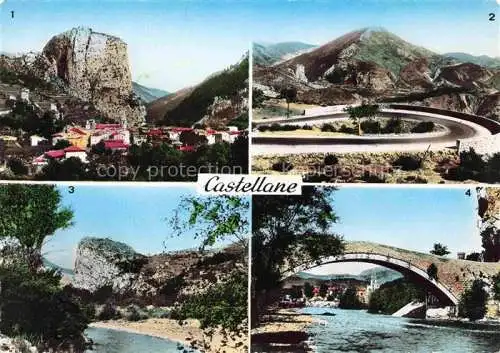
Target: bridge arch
413,272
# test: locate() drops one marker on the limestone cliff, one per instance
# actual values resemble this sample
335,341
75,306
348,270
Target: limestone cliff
95,67
159,279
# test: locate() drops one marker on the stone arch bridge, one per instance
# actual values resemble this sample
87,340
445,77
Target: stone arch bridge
453,275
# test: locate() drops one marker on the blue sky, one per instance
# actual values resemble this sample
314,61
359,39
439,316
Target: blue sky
177,43
410,218
130,214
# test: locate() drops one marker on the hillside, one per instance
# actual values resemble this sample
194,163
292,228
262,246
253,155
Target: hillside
268,54
481,60
374,64
159,279
215,102
147,94
381,274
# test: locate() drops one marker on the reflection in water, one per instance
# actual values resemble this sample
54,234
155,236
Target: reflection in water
356,331
112,341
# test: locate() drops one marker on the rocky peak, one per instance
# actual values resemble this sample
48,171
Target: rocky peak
104,262
95,68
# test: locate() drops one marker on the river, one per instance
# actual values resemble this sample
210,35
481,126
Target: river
356,331
113,341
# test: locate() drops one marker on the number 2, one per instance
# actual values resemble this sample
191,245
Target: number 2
492,16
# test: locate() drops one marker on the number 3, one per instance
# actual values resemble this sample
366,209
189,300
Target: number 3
71,189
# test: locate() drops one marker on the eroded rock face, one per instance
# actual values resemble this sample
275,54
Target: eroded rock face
163,278
95,68
103,262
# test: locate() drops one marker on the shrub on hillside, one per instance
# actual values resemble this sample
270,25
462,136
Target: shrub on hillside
328,128
331,159
282,166
224,304
393,126
423,126
408,162
371,126
17,166
347,130
108,312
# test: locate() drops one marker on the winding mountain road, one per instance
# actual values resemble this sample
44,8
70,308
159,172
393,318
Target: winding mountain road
455,129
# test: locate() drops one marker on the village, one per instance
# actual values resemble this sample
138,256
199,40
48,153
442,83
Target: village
82,139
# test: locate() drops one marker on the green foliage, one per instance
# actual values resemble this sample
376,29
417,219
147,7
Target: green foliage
108,312
394,126
392,296
30,214
440,250
241,122
61,144
291,230
224,304
213,219
432,271
349,299
308,290
475,256
33,305
323,289
371,127
328,128
258,98
69,169
490,240
17,166
408,162
25,117
226,84
331,159
282,166
496,286
357,113
472,303
423,126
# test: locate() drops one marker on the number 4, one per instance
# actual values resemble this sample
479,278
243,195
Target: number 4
467,192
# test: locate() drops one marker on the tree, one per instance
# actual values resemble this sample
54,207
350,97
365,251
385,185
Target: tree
349,299
308,290
474,256
212,219
191,138
17,166
62,144
323,290
432,271
290,95
472,303
288,231
496,286
490,239
440,250
358,113
30,214
69,169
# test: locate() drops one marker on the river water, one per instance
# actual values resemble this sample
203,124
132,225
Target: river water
113,341
356,331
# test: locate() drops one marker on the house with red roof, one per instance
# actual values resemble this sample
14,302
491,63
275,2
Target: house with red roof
115,145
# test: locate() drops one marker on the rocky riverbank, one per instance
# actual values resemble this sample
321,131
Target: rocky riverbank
283,330
189,334
15,345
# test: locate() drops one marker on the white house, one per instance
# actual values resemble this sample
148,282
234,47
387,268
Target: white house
77,152
35,140
25,94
